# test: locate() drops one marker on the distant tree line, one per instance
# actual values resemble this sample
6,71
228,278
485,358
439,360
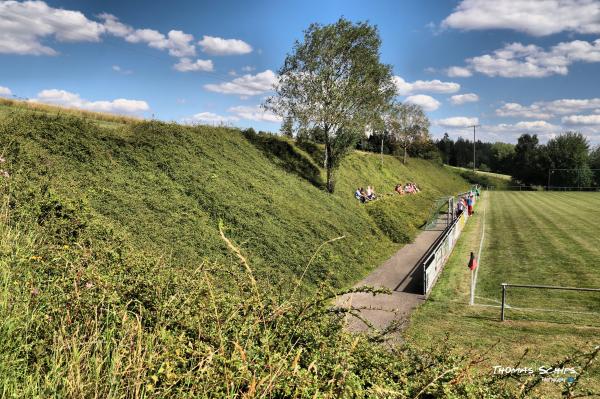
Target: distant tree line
565,161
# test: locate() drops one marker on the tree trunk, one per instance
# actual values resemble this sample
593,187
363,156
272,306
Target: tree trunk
404,159
329,167
382,151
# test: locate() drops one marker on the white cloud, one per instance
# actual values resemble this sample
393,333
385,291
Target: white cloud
535,17
68,99
424,86
120,70
5,92
186,65
254,113
517,60
219,46
458,72
428,103
457,122
548,109
178,43
459,99
23,26
248,68
247,85
208,117
581,120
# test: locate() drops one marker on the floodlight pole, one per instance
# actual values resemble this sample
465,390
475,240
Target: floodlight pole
474,126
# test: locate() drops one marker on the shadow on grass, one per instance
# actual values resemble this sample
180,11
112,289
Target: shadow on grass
286,155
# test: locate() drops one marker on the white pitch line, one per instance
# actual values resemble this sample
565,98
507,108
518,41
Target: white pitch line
479,255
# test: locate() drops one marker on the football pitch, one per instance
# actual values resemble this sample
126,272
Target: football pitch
532,238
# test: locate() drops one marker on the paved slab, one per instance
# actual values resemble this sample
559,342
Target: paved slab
398,274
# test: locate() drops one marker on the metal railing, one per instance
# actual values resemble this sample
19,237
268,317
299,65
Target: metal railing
546,287
434,259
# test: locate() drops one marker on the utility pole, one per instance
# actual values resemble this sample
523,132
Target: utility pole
474,126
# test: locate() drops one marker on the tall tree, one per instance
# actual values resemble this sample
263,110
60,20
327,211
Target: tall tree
568,159
334,80
408,124
530,161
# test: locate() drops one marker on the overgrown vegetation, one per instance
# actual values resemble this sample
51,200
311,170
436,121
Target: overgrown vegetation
117,281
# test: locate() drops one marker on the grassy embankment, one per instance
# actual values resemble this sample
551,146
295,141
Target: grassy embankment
486,179
116,281
530,238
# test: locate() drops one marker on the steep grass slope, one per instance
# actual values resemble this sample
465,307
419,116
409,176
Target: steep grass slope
166,187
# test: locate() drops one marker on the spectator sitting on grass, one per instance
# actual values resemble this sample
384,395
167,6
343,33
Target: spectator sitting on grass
358,194
371,193
399,189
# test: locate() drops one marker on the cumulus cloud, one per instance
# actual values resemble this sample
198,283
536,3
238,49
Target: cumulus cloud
68,99
535,17
457,122
459,99
458,72
548,109
428,103
24,25
219,46
178,43
254,113
5,92
186,65
516,60
581,120
246,85
424,86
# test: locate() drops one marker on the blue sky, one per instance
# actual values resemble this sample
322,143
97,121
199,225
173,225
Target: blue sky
520,66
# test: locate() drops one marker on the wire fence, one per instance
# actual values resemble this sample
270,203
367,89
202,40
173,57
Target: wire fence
578,304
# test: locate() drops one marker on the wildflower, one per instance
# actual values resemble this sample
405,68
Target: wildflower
35,292
4,173
65,247
35,258
89,285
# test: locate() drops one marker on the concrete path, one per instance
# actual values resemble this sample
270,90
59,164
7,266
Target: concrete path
397,274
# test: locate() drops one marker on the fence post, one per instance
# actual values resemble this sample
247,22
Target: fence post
503,301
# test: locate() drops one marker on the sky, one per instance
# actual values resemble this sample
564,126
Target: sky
509,66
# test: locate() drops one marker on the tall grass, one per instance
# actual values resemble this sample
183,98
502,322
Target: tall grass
88,311
61,110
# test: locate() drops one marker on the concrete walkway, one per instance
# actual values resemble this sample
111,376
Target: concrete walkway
398,274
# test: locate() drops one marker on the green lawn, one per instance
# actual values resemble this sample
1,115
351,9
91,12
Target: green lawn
530,238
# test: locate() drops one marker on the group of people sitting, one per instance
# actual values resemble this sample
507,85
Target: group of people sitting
369,194
365,195
408,188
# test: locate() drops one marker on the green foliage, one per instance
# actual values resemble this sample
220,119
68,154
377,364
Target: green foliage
95,318
334,81
166,186
569,151
116,281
